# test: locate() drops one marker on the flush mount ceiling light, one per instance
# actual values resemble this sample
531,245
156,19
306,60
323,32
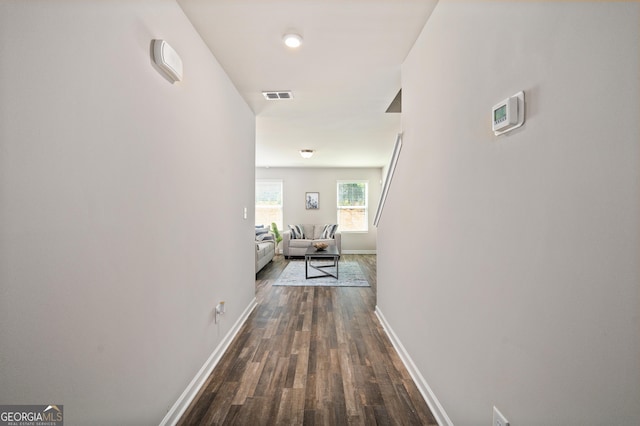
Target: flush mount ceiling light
306,153
292,40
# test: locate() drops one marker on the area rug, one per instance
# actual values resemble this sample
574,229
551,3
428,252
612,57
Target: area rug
350,275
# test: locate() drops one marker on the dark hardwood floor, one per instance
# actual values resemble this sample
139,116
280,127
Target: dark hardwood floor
312,356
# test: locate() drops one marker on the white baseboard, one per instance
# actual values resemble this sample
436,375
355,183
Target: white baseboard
181,405
424,388
359,252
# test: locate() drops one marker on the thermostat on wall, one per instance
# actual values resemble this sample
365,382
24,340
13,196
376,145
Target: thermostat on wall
508,114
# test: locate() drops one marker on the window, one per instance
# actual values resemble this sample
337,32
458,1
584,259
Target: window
353,206
269,202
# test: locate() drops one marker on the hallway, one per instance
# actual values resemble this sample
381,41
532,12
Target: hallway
310,355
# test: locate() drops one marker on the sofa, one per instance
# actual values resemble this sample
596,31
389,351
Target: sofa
299,238
265,247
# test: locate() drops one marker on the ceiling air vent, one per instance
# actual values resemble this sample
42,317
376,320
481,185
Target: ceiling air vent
276,96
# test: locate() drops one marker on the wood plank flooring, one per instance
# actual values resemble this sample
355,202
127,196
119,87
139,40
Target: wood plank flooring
310,356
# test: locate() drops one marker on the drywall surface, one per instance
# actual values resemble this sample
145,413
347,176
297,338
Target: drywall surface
519,286
121,200
298,181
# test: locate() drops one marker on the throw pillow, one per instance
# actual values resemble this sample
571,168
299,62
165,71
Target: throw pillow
297,232
329,231
260,231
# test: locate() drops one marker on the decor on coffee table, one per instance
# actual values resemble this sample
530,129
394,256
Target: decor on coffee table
320,246
312,200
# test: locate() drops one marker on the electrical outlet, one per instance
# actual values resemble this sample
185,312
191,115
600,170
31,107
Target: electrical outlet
498,418
219,310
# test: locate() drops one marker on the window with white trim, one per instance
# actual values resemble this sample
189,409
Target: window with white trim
353,206
269,203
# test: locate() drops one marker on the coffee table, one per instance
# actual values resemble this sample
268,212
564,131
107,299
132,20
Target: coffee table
330,253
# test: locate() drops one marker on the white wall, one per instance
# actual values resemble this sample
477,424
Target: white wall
298,181
520,283
121,201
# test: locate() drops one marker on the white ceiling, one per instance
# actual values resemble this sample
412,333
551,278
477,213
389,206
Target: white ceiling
343,77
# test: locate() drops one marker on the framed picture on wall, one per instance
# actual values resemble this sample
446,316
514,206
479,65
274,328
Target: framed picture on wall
312,200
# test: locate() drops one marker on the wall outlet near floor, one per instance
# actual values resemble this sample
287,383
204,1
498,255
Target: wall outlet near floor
498,418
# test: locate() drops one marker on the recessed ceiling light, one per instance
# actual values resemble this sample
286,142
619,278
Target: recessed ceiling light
306,153
292,40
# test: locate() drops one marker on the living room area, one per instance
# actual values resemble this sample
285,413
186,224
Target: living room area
284,191
346,198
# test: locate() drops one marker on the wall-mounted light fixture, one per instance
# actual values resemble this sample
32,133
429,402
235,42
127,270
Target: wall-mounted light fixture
167,59
306,153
